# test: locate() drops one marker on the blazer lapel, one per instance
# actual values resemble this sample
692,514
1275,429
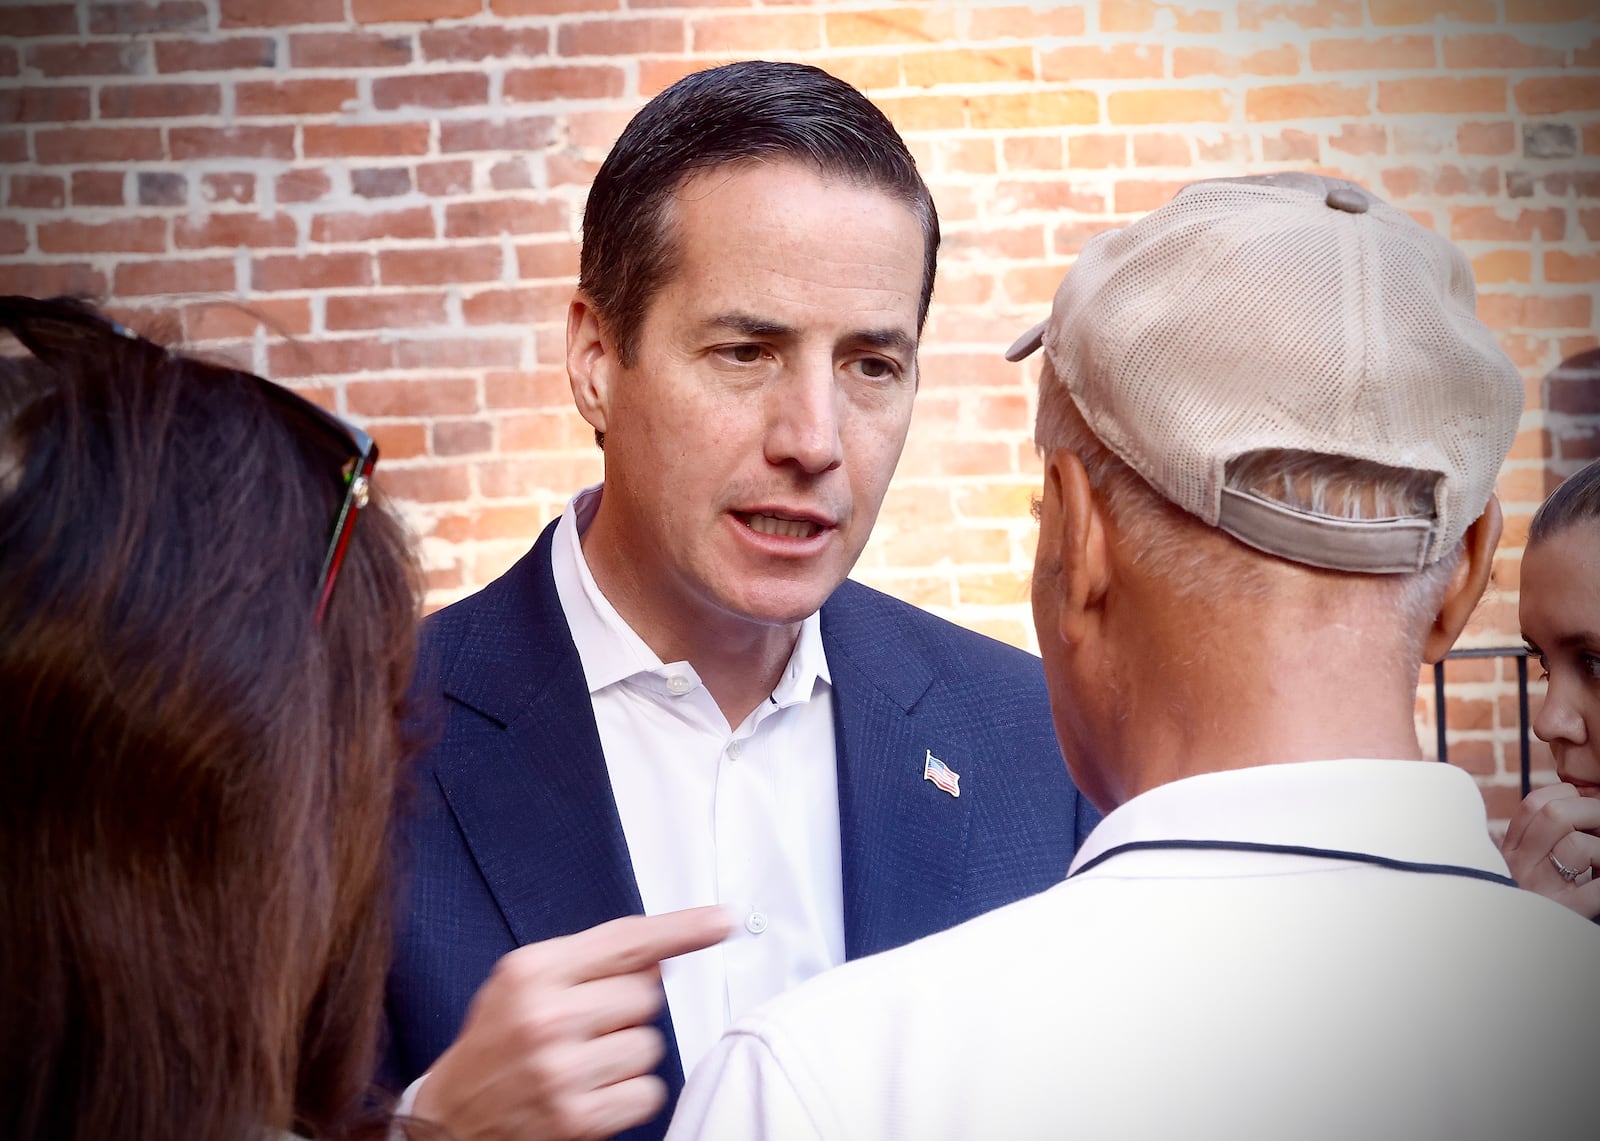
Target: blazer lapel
902,838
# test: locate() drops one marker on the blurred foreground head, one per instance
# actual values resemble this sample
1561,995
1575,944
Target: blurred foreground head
200,760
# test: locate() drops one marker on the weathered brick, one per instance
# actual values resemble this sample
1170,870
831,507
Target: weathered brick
1071,64
344,50
380,181
399,225
550,7
1555,311
412,11
614,36
434,397
304,185
1360,139
459,352
526,134
234,53
1136,196
992,65
1118,16
36,104
456,264
502,216
41,20
162,188
98,187
443,179
1097,151
469,44
1554,95
129,57
231,142
437,89
328,140
1488,224
284,272
1390,53
1026,23
1486,138
1499,52
1501,267
228,320
51,280
340,358
542,84
547,259
368,310
755,32
521,306
1188,62
293,97
159,100
877,27
1441,95
146,18
1307,101
280,13
1571,269
234,230
1161,149
1403,12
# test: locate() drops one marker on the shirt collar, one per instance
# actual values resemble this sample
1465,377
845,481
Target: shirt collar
1415,811
612,652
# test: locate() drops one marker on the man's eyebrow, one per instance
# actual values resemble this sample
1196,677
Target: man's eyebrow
748,325
896,340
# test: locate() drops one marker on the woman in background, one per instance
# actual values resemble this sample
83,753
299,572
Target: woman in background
1553,842
206,633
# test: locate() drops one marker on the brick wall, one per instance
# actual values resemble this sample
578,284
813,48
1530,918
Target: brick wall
377,201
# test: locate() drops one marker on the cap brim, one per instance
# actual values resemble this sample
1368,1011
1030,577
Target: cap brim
1026,344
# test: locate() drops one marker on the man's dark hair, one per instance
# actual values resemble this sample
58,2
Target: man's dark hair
741,112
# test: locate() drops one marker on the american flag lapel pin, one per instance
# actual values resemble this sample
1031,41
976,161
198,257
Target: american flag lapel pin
941,774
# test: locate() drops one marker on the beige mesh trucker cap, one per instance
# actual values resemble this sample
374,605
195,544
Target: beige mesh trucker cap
1287,311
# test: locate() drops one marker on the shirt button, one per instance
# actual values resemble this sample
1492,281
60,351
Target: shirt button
734,749
755,922
678,685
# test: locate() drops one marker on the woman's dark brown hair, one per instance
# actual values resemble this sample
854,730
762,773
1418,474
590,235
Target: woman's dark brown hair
198,779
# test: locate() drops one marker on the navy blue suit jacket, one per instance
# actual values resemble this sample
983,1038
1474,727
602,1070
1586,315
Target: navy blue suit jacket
515,837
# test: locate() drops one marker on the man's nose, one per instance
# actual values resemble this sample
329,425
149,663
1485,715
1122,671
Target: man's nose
803,418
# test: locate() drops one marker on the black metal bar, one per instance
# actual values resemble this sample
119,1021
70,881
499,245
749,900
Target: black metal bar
1438,709
1522,723
1520,654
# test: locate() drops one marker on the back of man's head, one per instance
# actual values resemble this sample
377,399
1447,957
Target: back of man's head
753,111
1287,359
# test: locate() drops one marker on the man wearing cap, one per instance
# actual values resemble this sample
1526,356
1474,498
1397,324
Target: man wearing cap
1271,426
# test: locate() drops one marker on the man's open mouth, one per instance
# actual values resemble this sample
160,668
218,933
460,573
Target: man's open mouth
777,525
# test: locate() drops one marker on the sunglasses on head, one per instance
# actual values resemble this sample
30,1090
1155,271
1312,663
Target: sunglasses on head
60,328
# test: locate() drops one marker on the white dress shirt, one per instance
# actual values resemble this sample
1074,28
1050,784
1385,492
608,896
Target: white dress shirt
746,817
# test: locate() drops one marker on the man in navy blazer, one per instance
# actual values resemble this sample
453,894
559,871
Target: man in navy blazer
676,698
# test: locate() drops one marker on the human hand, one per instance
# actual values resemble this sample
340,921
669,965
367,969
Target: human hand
558,1042
1557,821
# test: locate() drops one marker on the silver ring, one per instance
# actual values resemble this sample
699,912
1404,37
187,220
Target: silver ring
1568,874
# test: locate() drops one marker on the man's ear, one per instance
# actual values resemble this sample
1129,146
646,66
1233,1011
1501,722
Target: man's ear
1072,537
591,361
1467,584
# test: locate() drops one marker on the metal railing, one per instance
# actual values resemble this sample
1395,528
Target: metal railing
1519,653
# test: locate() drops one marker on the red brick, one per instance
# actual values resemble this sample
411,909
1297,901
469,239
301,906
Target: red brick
1097,151
231,142
541,84
14,147
98,187
144,18
1443,95
524,306
1167,107
756,32
1025,23
412,11
1510,311
1012,243
1553,95
385,311
530,134
1485,224
1192,61
544,388
476,43
344,50
1053,195
1306,101
41,20
231,321
437,89
507,522
279,13
1360,139
550,7
334,141
36,192
502,216
439,267
415,223
1119,61
975,156
234,230
235,53
936,112
303,185
1161,150
13,237
1403,12
1486,138
440,179
313,271
10,61
459,352
1488,53
1590,221
1560,266
145,278
159,100
1500,267
79,58
435,397
1144,16
1392,53
293,97
128,235
964,65
427,484
1136,197
344,357
52,280
911,25
570,170
547,259
614,36
44,104
462,437
545,431
401,441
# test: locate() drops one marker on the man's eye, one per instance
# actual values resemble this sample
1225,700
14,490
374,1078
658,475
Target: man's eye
745,354
876,368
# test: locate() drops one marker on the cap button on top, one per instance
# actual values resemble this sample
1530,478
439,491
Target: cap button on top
1348,199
